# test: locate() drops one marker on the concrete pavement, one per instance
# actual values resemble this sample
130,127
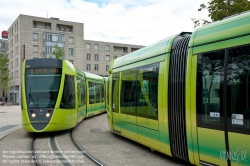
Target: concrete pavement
10,119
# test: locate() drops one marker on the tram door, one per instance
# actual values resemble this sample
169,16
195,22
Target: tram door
238,99
115,102
222,106
209,107
81,111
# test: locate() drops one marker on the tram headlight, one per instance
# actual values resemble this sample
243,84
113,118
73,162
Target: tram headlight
48,115
33,115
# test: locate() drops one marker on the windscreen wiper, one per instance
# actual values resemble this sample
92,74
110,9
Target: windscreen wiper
32,99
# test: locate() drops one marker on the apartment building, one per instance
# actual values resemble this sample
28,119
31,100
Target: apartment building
97,55
32,37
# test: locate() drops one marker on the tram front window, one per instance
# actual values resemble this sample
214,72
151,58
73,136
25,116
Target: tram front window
42,86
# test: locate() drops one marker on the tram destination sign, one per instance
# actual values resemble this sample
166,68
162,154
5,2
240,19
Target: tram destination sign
44,71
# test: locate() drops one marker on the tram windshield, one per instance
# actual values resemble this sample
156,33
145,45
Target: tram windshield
42,86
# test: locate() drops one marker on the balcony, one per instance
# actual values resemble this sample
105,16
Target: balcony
42,25
120,49
134,49
64,28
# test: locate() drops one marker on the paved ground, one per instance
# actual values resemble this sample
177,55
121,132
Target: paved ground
93,134
10,119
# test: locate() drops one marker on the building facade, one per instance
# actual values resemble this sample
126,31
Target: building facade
3,50
97,55
32,37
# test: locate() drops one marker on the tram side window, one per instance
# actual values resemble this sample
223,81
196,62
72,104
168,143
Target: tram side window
147,105
107,93
102,92
115,92
78,91
129,92
81,92
68,97
97,92
91,92
127,98
238,86
210,88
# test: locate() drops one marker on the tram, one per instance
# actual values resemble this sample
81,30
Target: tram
188,96
57,96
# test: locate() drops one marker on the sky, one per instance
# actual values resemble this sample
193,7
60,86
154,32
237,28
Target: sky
139,22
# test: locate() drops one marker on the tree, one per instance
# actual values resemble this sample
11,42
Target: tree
219,9
4,72
58,52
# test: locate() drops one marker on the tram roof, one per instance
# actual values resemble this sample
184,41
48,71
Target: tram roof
228,28
92,76
155,49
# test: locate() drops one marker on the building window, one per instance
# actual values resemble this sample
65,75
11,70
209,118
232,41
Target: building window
35,36
107,48
2,45
47,26
35,49
17,38
88,57
16,62
16,50
17,25
88,67
34,25
96,47
88,47
11,54
11,65
107,58
16,74
96,67
71,40
11,76
96,57
71,52
72,61
114,57
54,37
1,52
107,67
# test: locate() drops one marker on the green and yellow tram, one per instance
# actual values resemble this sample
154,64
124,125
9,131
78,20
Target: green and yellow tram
57,96
188,96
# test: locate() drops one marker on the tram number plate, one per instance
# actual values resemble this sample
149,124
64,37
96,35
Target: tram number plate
237,121
215,114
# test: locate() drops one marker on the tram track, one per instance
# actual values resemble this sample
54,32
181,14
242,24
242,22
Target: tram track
79,147
33,157
58,152
53,153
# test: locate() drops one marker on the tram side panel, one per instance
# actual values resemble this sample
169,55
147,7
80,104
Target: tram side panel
139,118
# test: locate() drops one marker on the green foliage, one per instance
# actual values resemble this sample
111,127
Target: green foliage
58,52
219,9
4,72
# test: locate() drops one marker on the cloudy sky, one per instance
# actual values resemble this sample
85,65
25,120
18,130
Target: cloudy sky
140,22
